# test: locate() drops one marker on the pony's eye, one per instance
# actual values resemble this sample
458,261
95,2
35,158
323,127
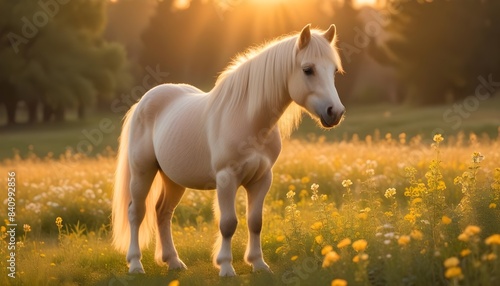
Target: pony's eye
308,71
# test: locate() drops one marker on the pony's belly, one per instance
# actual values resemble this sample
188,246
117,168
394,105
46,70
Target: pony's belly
195,179
186,164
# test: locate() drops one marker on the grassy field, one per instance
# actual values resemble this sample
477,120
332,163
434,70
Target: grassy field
373,202
89,137
389,211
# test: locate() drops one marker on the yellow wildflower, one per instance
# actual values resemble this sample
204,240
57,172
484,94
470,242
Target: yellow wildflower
416,234
319,239
404,240
339,282
317,225
465,252
493,206
463,237
390,192
363,216
491,257
446,220
477,157
451,262
26,228
59,222
438,138
326,249
472,230
416,201
293,258
330,258
280,238
344,242
305,180
359,245
346,183
360,257
410,217
493,239
174,283
453,272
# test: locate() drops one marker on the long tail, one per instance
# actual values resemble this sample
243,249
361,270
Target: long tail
122,199
218,240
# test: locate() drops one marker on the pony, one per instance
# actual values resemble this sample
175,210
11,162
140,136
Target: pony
179,137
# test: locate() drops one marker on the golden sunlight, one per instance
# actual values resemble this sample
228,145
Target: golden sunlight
268,1
365,2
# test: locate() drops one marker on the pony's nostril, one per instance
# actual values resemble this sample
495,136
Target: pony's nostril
329,111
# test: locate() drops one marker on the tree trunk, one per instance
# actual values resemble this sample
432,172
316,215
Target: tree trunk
59,114
11,107
47,113
32,111
81,111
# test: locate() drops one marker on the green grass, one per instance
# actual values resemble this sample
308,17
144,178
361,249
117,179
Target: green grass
360,120
424,121
57,137
78,189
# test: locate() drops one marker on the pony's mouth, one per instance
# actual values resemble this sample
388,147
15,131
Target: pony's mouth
324,123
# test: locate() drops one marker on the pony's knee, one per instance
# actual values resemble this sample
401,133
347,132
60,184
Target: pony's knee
255,224
228,226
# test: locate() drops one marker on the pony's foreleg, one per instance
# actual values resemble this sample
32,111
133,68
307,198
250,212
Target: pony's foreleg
256,193
169,199
140,184
226,193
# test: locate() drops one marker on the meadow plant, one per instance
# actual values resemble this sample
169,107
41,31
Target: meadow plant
383,210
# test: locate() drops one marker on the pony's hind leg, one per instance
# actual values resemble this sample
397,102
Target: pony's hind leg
169,199
256,193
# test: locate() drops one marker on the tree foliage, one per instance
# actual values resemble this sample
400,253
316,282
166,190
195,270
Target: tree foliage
195,44
53,53
441,47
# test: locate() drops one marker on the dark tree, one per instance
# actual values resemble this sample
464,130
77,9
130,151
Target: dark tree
54,54
440,48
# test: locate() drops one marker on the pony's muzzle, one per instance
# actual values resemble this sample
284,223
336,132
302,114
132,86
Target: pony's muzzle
333,116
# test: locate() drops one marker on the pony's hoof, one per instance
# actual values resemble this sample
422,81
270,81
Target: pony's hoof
136,271
261,268
177,265
136,268
227,271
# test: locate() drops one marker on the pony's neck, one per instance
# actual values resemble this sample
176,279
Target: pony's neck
256,88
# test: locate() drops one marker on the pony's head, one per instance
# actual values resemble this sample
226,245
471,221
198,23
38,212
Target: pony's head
311,84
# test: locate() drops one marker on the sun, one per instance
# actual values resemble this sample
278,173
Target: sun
365,2
268,1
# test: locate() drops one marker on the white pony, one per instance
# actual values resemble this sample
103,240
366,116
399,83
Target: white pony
178,137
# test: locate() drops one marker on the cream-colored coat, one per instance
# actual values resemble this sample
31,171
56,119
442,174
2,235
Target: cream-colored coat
179,137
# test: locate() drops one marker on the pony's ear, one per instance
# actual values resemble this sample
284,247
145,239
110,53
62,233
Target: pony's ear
305,36
330,34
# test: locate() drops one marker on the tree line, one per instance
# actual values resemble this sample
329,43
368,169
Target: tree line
53,55
57,53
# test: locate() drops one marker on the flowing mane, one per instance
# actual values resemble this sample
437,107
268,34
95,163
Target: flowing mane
258,77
